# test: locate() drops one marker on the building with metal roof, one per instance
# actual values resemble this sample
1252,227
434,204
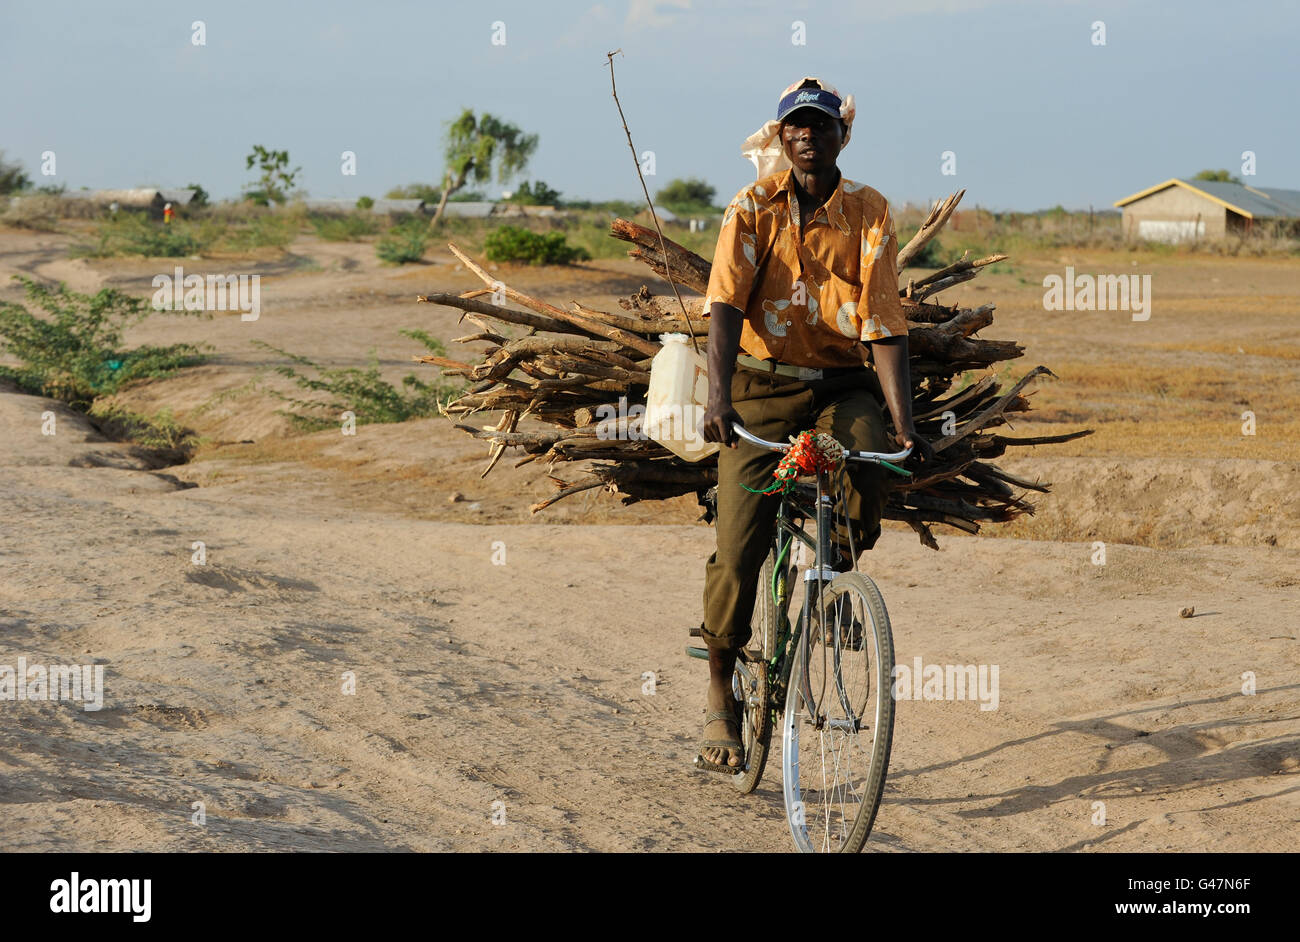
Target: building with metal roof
469,209
1180,210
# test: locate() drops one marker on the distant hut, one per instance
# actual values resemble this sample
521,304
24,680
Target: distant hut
149,199
143,198
665,216
1179,210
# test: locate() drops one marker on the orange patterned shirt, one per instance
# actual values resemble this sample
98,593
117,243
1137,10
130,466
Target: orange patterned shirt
821,294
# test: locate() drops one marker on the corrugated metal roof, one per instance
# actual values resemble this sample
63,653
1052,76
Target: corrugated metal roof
1257,202
473,210
182,197
140,196
398,206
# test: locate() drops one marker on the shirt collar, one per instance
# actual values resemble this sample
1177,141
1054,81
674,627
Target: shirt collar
834,206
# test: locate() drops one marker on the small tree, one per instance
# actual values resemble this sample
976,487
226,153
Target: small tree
276,180
536,194
200,196
1216,176
687,196
474,145
12,177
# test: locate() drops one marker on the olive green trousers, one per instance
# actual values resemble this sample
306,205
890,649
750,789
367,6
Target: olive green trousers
848,405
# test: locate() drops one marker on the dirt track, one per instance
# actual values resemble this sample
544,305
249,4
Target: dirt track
522,683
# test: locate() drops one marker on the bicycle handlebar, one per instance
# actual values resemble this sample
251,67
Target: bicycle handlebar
875,457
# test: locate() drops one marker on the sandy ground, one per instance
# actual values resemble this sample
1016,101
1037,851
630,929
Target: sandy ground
522,683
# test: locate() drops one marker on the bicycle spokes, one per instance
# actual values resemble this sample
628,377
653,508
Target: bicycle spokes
836,732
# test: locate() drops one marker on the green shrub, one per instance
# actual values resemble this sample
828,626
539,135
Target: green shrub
13,178
160,433
513,244
200,198
404,242
534,194
133,233
264,230
365,202
692,197
352,227
75,353
363,392
36,211
415,191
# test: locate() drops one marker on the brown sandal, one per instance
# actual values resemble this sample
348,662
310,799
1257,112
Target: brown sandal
734,743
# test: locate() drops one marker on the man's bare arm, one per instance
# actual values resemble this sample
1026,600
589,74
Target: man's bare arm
725,323
890,355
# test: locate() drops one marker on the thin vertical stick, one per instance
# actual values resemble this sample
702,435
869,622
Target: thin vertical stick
663,249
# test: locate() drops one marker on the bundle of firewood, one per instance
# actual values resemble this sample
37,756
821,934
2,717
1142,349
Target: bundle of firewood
582,373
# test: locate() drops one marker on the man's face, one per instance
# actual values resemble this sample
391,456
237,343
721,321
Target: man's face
812,139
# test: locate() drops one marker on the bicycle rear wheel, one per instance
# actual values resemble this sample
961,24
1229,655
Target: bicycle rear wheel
749,683
839,718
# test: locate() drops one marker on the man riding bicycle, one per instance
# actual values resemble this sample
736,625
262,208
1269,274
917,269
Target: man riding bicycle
805,283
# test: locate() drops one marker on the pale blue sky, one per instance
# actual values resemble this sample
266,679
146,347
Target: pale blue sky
1036,114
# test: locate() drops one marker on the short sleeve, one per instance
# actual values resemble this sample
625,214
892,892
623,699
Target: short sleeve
735,260
883,315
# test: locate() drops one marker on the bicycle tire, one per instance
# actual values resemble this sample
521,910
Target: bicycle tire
756,716
836,834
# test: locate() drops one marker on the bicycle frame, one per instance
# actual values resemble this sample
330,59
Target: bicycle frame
762,681
792,508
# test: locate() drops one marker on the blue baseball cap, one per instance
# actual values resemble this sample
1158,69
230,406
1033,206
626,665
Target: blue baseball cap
822,99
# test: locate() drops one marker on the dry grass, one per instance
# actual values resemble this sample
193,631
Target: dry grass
1143,411
1276,351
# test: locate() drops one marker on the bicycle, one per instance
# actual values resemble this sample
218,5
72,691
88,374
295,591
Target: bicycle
817,679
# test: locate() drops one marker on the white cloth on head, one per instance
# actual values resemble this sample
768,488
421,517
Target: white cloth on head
764,149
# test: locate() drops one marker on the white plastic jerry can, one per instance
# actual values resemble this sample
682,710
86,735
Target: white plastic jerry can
678,398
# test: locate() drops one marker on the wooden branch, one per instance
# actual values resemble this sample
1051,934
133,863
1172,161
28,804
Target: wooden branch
640,344
495,310
979,421
583,363
974,391
645,325
961,265
935,221
566,490
949,343
684,266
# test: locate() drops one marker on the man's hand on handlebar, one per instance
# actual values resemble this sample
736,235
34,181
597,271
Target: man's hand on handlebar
717,422
921,449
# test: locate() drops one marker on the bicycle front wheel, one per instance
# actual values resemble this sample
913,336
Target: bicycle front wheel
839,717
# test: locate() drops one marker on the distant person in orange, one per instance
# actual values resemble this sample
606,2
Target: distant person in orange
167,213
